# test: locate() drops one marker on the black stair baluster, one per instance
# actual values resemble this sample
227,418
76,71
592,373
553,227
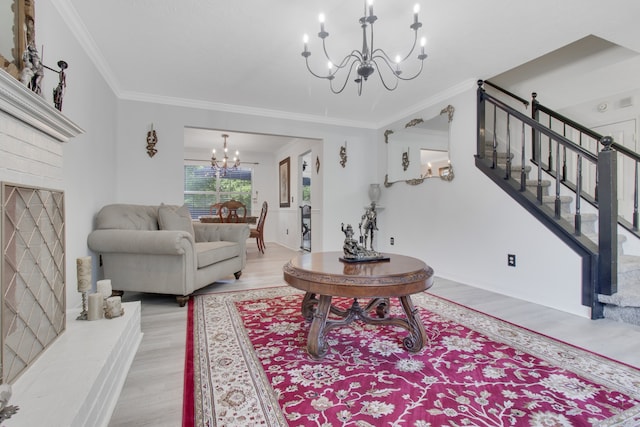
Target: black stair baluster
523,172
635,198
550,155
578,217
494,153
558,206
539,183
508,165
564,155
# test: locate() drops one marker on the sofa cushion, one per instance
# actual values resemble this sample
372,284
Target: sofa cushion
127,217
175,218
211,252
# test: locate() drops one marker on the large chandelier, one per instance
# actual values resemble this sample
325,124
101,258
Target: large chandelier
369,59
223,165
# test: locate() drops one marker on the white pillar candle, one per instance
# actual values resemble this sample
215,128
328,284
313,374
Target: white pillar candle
83,266
113,307
96,307
104,287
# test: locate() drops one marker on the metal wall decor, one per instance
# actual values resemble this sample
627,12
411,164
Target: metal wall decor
152,140
19,54
58,92
343,154
405,160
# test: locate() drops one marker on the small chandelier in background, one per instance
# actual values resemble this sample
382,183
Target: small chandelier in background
369,59
223,165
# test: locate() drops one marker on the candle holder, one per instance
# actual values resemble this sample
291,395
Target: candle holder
84,312
83,265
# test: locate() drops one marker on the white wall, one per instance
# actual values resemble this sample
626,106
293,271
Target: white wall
89,160
464,229
141,179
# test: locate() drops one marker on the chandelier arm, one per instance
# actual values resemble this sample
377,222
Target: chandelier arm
343,64
381,53
348,60
384,83
415,75
354,54
346,79
314,74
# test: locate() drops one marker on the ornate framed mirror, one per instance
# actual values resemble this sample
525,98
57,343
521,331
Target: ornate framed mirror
420,150
17,30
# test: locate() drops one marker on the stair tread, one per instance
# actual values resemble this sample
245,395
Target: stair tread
628,294
552,199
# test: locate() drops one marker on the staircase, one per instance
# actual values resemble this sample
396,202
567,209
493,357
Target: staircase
510,148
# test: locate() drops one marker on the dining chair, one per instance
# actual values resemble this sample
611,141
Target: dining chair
258,232
214,209
232,211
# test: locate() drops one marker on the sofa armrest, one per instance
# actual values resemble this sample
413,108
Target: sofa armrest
156,242
213,232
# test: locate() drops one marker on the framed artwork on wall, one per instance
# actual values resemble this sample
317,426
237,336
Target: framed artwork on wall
285,181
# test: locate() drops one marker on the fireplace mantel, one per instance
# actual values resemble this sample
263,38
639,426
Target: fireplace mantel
32,109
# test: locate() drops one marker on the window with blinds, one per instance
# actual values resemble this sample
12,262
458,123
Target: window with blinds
205,186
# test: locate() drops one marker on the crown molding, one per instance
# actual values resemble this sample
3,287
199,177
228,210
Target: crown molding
30,108
77,27
241,109
437,100
79,30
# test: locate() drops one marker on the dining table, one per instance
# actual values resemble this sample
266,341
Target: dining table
216,219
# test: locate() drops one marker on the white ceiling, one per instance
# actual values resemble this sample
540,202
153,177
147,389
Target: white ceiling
244,55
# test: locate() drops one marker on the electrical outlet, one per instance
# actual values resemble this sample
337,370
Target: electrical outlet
392,241
511,260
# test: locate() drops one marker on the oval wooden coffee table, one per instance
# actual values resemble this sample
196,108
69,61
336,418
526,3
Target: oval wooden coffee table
322,274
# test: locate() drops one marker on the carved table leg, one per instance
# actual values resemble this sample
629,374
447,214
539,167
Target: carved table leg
308,305
316,344
415,341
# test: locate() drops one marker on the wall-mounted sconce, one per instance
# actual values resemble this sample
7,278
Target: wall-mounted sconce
152,140
405,160
343,154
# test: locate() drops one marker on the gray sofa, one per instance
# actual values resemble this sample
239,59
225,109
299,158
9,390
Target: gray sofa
158,249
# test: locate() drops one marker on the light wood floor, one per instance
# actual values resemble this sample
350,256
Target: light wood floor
152,394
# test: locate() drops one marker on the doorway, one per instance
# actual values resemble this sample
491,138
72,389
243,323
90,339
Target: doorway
305,201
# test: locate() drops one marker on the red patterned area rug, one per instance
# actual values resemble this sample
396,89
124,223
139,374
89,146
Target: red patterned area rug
247,366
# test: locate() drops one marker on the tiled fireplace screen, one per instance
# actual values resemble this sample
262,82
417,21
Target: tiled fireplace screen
33,274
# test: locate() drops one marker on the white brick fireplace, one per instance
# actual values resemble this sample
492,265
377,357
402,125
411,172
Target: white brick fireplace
77,379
